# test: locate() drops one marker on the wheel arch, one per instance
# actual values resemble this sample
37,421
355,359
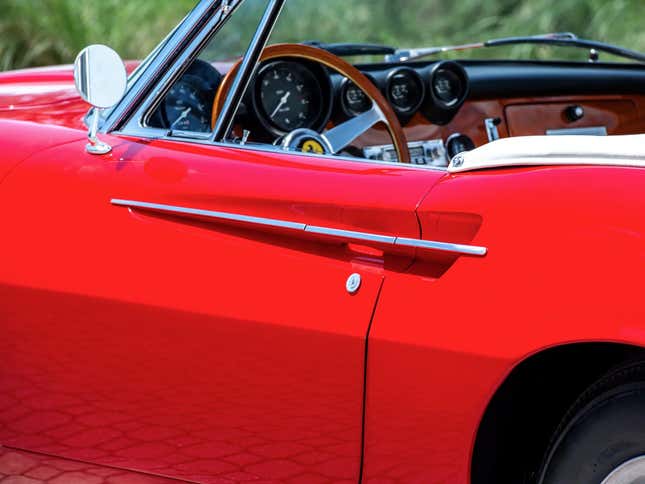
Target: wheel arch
519,420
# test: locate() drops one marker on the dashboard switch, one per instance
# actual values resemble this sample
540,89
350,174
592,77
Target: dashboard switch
574,113
491,124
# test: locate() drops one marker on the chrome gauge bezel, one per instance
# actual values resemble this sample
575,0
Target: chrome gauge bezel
413,76
342,91
437,110
455,70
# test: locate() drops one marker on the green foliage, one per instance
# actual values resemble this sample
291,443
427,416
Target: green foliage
42,32
411,23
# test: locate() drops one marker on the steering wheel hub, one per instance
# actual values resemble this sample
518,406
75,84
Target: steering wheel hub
307,141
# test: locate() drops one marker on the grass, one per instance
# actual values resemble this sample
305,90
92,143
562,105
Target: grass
44,32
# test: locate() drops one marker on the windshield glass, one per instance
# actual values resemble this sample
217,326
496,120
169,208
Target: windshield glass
423,23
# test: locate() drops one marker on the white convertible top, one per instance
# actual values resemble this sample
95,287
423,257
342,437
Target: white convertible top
554,150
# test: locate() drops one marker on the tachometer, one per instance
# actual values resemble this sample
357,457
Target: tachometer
290,96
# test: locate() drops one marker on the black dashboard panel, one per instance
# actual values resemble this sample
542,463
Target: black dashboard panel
505,79
493,79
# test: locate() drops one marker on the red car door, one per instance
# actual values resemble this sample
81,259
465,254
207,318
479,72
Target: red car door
185,343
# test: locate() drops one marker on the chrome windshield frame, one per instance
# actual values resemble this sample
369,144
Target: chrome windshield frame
170,58
247,70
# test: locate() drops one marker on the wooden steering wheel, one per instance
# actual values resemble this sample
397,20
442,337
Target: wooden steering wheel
337,138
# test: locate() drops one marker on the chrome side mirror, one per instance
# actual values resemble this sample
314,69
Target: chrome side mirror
100,77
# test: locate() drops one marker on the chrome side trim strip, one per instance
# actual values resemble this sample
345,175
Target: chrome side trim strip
349,234
441,246
223,216
341,235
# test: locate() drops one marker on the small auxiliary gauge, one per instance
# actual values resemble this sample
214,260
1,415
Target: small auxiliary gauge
405,90
354,101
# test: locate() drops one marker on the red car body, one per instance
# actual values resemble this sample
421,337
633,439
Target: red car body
209,352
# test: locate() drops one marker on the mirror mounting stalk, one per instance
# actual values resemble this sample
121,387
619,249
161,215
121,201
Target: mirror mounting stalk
95,145
100,78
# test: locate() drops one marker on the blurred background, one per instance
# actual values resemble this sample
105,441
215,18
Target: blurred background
44,32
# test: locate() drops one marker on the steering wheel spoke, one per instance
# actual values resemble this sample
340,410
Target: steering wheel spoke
342,135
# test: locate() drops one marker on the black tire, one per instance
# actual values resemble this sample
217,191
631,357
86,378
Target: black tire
604,429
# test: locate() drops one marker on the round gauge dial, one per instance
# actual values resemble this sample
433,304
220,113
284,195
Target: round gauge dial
354,100
447,86
290,95
405,90
458,143
448,90
186,107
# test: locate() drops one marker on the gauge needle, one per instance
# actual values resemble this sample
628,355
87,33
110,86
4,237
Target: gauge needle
282,102
182,116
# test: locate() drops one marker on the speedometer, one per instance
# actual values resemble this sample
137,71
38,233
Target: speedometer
188,106
187,109
290,96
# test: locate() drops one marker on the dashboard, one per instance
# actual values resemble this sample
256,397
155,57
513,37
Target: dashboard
288,94
445,107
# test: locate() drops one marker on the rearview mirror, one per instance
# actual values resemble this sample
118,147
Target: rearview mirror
100,77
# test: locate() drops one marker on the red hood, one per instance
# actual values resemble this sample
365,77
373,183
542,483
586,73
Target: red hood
44,95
